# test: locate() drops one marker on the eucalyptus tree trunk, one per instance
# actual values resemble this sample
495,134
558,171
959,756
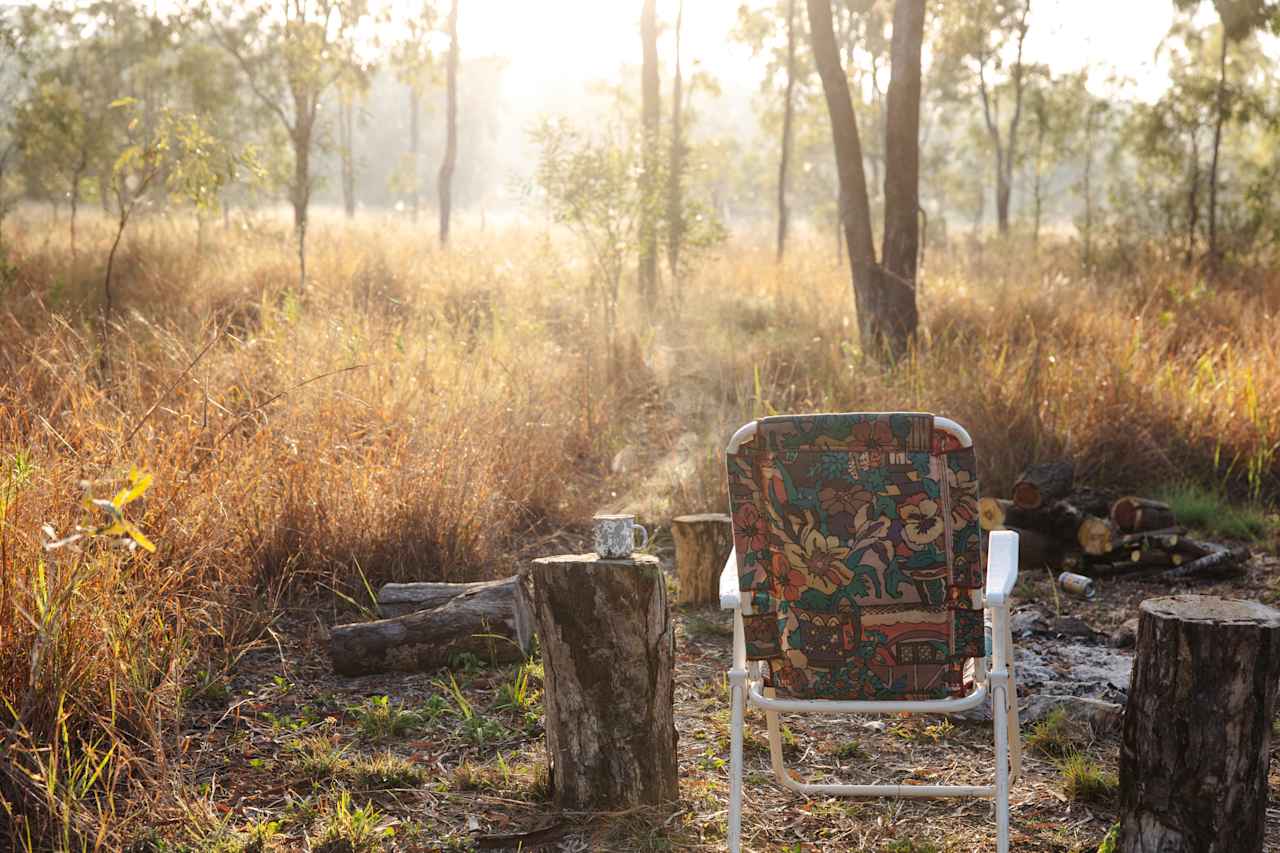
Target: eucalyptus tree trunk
415,133
900,251
346,148
650,119
451,127
1219,119
788,115
884,295
1006,150
675,168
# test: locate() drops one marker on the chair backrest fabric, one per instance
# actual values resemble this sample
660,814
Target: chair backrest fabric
857,541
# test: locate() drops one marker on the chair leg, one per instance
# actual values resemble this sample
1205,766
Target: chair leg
1000,716
775,743
735,763
1015,730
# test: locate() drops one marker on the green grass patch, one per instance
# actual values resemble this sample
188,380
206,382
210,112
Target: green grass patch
1057,735
1084,780
1208,510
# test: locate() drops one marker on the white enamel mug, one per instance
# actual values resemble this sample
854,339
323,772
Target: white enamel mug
616,535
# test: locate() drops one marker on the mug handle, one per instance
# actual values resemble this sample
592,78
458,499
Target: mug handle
644,536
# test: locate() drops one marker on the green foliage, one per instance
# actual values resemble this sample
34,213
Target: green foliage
1084,780
1208,510
380,720
589,184
351,829
1057,735
1111,840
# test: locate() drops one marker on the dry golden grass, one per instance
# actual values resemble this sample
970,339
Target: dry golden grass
429,414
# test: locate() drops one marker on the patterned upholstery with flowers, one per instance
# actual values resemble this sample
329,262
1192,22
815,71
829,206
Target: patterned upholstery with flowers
857,541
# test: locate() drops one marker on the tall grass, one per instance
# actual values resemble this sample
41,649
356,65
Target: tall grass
420,414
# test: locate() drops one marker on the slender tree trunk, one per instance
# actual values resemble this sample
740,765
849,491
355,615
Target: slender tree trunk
1193,202
451,127
1219,119
415,105
1088,188
784,159
900,250
346,148
675,175
882,300
75,203
1006,151
301,192
650,120
1039,168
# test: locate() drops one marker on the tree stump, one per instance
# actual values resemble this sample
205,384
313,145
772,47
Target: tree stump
607,649
1197,727
703,543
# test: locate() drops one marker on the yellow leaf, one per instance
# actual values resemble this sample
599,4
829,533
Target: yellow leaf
139,537
141,483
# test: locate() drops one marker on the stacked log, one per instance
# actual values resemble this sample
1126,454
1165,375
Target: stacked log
1083,530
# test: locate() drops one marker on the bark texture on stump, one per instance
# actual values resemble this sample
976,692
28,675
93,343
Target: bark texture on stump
489,622
1197,726
607,648
703,543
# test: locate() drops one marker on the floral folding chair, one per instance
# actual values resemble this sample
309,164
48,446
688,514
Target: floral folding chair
857,586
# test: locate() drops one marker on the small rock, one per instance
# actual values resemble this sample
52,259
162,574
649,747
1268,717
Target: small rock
1072,626
1102,716
1126,636
1028,621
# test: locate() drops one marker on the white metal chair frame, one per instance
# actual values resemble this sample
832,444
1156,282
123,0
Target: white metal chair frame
998,683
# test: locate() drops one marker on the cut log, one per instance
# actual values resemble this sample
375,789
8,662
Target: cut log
398,599
1037,551
992,512
1060,519
1097,536
1168,539
488,622
703,543
1043,483
1224,563
607,646
1126,570
1197,726
1091,501
1135,515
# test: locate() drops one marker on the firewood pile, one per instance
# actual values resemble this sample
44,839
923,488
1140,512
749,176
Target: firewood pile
1077,529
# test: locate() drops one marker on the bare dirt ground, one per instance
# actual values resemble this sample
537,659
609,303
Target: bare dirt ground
294,757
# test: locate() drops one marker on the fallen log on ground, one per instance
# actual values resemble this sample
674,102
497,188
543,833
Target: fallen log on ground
400,599
490,622
1226,563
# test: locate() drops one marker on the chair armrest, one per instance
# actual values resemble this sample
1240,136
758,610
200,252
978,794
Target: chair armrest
730,595
1002,566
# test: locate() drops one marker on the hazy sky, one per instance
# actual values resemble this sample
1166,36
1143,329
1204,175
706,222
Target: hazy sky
559,44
